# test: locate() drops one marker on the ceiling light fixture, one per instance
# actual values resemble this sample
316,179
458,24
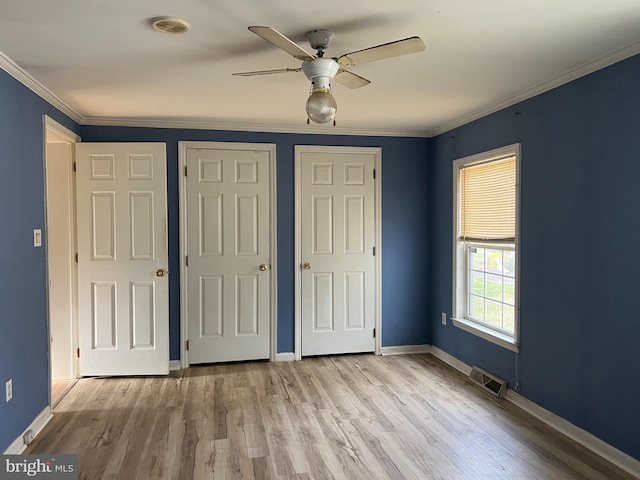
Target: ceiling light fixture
321,106
171,25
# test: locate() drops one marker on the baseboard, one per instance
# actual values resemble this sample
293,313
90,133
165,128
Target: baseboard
577,434
405,349
175,365
285,357
18,446
450,360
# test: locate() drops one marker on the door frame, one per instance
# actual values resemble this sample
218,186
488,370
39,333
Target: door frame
270,148
51,128
377,153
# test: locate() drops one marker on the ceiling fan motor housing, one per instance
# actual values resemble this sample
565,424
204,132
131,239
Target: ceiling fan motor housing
320,71
319,39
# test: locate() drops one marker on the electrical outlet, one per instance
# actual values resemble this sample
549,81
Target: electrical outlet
444,318
9,389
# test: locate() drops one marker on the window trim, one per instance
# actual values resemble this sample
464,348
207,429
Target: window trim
460,271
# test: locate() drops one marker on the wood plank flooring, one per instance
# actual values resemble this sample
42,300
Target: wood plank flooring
344,417
59,389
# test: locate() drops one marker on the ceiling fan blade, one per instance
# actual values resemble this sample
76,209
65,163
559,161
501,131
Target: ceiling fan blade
267,72
380,52
350,79
274,37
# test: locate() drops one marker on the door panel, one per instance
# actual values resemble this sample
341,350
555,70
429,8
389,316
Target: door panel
322,218
337,222
228,239
141,216
142,315
123,304
355,300
354,224
323,302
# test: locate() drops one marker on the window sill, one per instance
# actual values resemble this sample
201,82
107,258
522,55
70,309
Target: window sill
492,336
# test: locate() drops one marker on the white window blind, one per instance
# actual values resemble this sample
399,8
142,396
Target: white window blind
488,201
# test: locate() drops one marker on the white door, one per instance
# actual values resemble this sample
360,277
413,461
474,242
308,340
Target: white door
228,249
123,287
337,239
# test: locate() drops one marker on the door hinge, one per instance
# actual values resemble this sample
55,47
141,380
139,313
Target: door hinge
374,333
185,170
374,251
374,173
74,167
76,257
186,261
187,345
78,353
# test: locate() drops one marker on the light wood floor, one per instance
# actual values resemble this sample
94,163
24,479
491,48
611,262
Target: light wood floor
59,388
348,417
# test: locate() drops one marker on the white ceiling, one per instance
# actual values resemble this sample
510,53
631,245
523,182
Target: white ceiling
103,60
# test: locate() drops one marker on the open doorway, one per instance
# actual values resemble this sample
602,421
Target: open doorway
61,267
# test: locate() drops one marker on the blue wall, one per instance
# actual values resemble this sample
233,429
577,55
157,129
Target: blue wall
404,223
23,304
580,267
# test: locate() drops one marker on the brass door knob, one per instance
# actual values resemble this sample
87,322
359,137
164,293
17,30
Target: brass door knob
161,273
263,268
306,266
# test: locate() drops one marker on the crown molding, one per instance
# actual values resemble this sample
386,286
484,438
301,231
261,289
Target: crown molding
36,87
247,127
580,71
39,89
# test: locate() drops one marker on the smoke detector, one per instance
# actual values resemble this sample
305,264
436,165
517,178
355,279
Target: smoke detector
171,25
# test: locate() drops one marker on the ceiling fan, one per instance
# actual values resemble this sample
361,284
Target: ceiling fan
321,106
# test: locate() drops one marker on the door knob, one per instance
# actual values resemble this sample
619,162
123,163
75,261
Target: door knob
161,273
263,267
306,266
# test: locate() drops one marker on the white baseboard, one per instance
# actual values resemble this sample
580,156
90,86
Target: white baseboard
285,357
450,360
175,365
577,434
405,349
18,446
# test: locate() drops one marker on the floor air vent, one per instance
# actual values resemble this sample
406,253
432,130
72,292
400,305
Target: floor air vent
492,384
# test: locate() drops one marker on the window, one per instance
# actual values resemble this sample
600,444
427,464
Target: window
485,258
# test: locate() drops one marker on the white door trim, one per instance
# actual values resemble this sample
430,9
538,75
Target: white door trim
273,295
377,152
60,130
51,128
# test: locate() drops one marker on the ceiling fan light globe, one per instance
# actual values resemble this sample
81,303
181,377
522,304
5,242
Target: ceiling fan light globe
321,106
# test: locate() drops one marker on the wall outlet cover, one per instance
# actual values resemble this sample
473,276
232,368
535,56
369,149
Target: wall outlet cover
37,237
9,389
27,438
